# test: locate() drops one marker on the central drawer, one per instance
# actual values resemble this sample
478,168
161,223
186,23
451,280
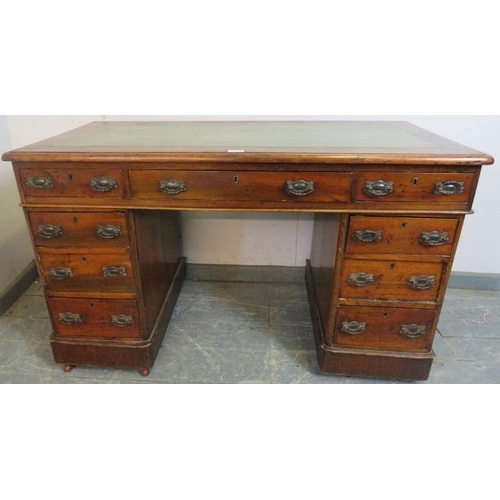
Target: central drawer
300,187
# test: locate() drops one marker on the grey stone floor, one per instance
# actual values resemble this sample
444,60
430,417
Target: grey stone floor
257,333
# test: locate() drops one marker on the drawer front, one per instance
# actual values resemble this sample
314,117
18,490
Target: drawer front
95,318
388,186
300,187
79,229
77,183
398,280
88,272
398,235
384,328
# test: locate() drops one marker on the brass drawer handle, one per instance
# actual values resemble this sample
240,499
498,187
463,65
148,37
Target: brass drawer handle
448,188
379,188
109,232
368,236
299,188
361,279
171,186
49,231
70,318
114,272
434,238
122,321
40,182
422,282
413,331
353,327
60,273
103,184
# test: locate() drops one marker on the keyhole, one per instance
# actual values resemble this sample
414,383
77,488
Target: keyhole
70,177
75,220
403,226
236,179
393,265
415,181
84,259
91,304
385,315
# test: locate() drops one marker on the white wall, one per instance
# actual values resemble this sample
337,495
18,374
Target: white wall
15,245
284,239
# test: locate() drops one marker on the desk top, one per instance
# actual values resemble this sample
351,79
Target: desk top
351,142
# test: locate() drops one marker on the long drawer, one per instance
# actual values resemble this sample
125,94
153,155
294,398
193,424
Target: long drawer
79,229
401,235
241,186
95,318
111,272
395,280
384,328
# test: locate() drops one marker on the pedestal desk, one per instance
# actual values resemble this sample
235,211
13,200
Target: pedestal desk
389,201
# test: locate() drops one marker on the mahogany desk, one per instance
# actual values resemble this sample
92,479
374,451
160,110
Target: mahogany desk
389,200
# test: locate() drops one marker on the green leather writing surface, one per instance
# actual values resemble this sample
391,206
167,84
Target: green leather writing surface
370,142
245,135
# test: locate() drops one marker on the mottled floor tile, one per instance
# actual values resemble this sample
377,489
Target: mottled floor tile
29,306
246,293
298,367
242,293
203,311
292,338
484,351
442,348
285,293
290,314
239,334
470,313
463,372
204,305
26,362
15,329
288,305
212,365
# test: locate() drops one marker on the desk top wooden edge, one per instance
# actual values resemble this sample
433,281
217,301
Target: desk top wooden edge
334,142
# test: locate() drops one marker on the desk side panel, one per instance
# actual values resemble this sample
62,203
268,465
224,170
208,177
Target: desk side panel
327,231
157,240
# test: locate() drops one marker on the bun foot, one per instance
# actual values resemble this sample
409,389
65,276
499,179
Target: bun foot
145,372
68,368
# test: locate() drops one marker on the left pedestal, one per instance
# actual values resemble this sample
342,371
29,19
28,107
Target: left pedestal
111,281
